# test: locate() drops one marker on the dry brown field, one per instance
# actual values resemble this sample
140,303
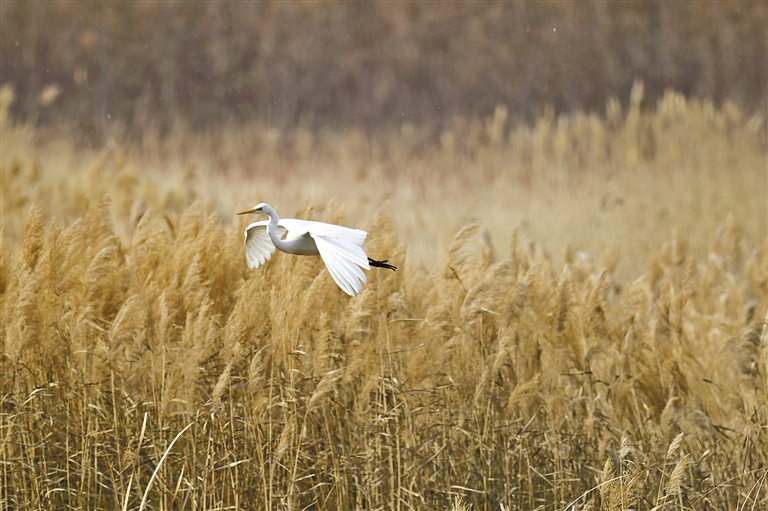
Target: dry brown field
577,322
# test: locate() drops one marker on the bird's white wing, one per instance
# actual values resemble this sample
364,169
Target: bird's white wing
342,251
258,247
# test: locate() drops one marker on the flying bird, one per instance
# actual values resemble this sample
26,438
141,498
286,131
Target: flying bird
340,247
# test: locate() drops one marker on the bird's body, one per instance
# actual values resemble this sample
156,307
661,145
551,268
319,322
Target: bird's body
340,247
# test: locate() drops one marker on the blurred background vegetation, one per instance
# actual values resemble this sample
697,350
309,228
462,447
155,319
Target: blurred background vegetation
371,65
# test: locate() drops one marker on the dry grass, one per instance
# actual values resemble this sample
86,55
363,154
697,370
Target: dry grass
143,365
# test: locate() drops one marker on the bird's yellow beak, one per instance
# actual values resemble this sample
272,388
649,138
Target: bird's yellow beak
247,211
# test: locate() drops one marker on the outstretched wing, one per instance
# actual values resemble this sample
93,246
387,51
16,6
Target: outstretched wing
258,247
342,251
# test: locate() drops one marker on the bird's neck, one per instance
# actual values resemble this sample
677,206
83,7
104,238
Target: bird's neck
272,231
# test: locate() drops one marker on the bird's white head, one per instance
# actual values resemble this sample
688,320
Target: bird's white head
261,208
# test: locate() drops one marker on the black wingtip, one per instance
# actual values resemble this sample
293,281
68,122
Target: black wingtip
382,264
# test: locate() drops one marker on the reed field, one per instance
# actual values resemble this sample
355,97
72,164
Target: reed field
577,321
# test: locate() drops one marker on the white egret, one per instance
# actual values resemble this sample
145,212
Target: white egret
340,247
